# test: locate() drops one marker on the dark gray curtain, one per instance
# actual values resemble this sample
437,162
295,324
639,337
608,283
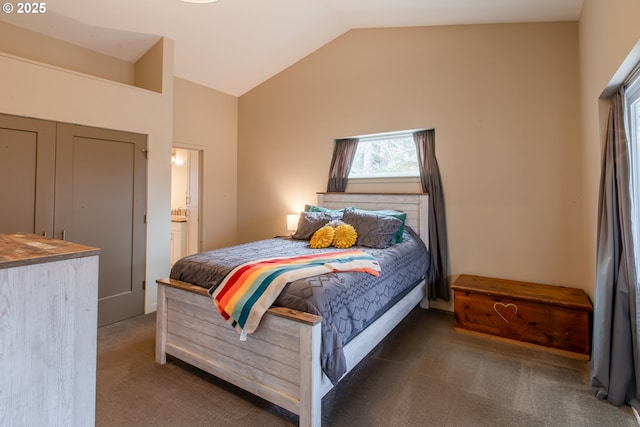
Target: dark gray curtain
437,276
615,362
344,150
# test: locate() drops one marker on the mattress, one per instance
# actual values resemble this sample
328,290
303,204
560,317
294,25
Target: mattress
347,301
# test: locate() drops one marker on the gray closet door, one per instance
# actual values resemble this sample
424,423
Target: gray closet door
27,173
101,201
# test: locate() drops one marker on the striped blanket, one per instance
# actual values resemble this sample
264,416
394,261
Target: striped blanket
248,291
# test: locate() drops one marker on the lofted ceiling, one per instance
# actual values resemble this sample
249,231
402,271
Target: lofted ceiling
234,45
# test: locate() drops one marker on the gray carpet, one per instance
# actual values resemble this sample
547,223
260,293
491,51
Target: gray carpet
423,374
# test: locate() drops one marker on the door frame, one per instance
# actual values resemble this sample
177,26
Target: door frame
200,150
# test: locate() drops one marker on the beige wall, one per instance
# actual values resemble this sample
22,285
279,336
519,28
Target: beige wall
504,100
609,32
148,69
43,91
206,120
38,47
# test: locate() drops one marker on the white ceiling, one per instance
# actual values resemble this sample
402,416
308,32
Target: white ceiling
234,45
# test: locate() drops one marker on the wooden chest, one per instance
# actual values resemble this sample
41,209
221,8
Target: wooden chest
554,317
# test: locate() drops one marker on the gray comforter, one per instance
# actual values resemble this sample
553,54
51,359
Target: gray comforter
347,302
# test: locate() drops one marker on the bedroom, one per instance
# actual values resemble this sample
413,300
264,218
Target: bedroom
521,177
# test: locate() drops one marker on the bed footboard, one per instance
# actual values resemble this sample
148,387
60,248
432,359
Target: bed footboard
280,362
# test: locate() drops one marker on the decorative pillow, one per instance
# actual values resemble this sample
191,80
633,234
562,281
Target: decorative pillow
309,223
402,216
345,236
374,230
335,213
322,238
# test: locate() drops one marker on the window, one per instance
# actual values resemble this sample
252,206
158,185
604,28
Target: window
633,110
385,155
632,129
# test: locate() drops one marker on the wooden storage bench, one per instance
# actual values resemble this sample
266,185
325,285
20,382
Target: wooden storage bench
554,317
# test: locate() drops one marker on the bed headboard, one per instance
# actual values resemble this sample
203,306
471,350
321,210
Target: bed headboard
414,204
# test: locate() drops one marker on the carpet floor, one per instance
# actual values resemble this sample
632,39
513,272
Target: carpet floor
423,374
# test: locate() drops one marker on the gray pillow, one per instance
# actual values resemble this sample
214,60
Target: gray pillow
309,223
335,213
374,230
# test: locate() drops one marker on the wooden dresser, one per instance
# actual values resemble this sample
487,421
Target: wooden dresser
48,330
553,317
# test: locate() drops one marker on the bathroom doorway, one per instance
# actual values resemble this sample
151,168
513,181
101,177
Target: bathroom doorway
185,202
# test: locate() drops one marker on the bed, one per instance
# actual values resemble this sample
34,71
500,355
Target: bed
282,360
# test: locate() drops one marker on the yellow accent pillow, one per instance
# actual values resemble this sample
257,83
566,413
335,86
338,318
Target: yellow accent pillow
345,236
322,238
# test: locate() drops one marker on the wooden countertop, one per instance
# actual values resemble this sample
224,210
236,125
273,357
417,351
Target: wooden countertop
20,249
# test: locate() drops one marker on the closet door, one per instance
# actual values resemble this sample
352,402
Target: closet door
101,202
27,173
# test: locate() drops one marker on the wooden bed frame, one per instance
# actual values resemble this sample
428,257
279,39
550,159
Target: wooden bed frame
280,362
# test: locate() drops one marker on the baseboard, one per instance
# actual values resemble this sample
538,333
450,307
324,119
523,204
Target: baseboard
152,307
636,415
442,304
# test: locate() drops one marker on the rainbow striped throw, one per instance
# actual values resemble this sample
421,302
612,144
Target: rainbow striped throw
248,290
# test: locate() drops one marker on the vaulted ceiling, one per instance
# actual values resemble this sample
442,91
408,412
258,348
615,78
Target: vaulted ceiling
234,45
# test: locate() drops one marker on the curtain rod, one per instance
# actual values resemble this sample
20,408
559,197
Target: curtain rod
633,75
383,134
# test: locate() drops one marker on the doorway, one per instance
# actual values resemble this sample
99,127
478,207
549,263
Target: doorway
185,202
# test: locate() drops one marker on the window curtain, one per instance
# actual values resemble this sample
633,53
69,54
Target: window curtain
344,150
437,276
615,357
